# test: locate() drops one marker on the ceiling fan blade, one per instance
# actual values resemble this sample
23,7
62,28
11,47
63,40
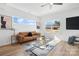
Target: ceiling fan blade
51,4
57,3
44,4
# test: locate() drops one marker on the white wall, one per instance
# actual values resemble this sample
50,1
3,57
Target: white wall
23,28
63,33
5,35
11,11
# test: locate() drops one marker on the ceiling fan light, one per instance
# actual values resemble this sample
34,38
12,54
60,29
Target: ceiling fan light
57,3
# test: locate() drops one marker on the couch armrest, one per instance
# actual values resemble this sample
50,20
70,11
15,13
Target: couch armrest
19,37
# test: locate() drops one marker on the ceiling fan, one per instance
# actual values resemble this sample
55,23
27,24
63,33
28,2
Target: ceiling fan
51,4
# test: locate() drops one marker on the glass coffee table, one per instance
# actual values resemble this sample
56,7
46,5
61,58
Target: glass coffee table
40,48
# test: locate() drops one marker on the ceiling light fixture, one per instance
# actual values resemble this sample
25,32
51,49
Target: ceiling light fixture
51,4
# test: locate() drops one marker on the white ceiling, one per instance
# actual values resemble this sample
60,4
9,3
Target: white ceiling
37,10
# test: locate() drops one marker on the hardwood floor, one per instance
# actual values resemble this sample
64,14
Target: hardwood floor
64,49
61,49
12,50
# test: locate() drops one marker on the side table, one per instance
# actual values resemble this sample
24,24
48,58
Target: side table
13,39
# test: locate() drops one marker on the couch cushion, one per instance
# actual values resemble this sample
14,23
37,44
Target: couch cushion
29,33
34,33
23,33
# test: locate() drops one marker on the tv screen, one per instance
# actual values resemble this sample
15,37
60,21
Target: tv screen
72,23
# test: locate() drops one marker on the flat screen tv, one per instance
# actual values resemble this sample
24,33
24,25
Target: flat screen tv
72,23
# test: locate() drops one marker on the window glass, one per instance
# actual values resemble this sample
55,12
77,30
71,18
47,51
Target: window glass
19,20
52,24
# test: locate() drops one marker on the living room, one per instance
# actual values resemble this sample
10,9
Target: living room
34,28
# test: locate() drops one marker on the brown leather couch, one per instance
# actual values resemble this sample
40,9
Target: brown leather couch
24,36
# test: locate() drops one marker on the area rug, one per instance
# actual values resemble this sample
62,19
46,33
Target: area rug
34,49
38,51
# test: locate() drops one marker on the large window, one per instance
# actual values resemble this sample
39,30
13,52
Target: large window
18,20
21,24
52,25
